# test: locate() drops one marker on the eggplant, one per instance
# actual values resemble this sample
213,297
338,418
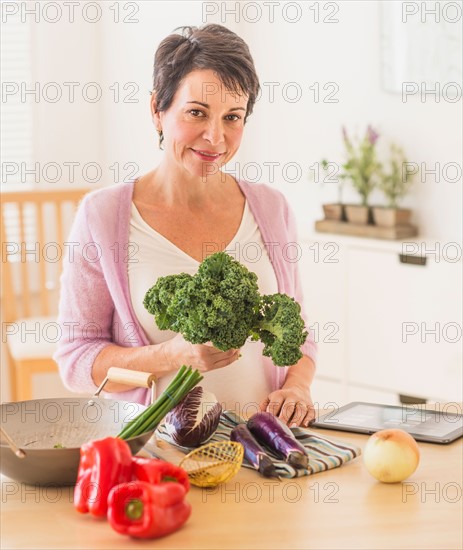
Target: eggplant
253,452
270,431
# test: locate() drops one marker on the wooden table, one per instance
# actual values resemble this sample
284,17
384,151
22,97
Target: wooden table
341,508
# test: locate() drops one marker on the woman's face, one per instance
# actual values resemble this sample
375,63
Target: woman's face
204,124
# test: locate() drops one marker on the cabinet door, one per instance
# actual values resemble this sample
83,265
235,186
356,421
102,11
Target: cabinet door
404,324
327,394
324,283
369,395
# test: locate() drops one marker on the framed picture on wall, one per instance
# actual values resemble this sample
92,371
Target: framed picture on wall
421,48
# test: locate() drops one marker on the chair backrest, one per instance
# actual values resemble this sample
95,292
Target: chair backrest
34,225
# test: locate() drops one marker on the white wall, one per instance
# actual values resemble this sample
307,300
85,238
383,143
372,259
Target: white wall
68,130
347,53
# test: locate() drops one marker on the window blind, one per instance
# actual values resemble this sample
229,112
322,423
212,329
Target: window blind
16,146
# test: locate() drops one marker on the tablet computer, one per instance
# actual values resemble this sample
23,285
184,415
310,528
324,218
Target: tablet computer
440,426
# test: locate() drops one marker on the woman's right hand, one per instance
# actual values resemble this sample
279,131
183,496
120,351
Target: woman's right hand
204,357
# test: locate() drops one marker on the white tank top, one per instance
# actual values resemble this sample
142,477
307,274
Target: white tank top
242,385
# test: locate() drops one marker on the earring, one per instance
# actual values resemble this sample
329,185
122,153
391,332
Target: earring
161,138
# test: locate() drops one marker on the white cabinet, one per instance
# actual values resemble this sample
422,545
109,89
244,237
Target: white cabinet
371,395
398,325
324,284
328,394
404,328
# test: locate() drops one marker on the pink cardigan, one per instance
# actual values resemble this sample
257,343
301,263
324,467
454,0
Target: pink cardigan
95,309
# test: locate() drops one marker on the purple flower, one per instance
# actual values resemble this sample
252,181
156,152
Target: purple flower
372,135
345,136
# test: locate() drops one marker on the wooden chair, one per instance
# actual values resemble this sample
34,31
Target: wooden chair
33,226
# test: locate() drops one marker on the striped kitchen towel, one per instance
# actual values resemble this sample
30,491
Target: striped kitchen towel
324,454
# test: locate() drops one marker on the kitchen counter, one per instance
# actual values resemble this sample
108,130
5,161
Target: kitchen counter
340,508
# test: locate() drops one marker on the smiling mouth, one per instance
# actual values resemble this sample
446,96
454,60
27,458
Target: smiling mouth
207,155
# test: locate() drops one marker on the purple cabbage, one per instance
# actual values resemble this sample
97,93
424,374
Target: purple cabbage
194,420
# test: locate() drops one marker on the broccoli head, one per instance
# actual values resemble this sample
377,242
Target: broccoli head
281,329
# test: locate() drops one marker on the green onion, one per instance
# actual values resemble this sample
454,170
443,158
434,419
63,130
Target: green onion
185,380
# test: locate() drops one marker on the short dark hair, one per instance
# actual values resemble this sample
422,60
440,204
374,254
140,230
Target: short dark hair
212,47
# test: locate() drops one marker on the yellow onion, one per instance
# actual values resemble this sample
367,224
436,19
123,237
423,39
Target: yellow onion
391,455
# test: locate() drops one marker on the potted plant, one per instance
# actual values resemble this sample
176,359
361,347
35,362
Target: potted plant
335,210
361,168
394,186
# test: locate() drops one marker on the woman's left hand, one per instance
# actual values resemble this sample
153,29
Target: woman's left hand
292,404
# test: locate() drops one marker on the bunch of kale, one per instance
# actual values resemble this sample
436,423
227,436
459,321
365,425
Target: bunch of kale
221,304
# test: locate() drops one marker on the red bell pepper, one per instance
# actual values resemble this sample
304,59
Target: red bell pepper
147,511
155,471
103,464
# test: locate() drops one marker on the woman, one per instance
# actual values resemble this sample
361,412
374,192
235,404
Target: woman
205,86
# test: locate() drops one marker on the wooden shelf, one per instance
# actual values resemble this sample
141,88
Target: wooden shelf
369,231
